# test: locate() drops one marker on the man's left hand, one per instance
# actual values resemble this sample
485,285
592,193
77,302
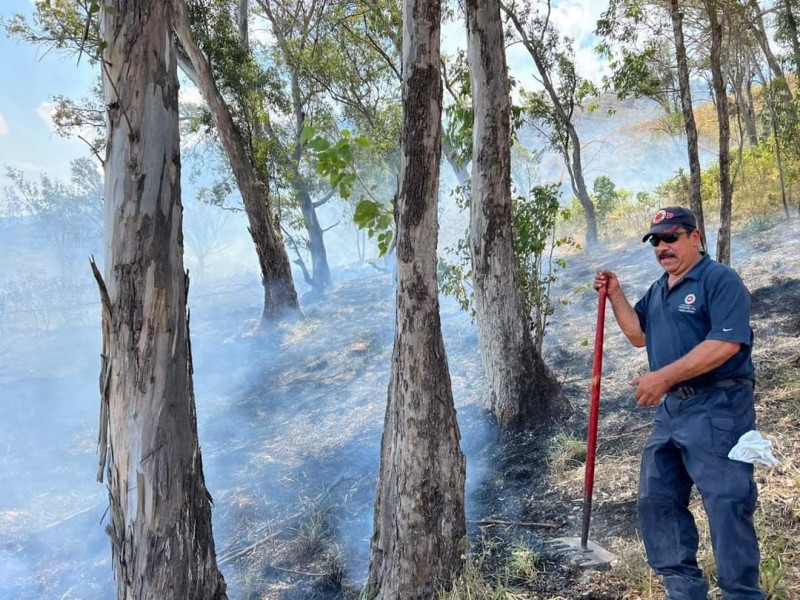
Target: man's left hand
650,389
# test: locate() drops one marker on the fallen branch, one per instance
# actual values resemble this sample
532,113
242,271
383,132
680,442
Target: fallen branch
297,572
235,554
520,523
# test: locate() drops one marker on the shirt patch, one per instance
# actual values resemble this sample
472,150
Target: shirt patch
688,304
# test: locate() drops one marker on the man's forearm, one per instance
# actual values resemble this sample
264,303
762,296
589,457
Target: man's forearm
627,319
703,358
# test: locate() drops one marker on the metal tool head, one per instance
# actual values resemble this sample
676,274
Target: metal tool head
590,556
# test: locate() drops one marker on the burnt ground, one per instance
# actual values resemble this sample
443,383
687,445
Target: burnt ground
549,494
290,423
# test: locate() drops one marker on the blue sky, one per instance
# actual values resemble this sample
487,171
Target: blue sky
29,78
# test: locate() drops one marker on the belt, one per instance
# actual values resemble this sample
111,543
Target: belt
687,391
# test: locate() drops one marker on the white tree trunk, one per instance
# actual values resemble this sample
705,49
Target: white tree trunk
160,510
419,510
521,390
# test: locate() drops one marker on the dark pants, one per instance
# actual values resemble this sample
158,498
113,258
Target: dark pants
689,445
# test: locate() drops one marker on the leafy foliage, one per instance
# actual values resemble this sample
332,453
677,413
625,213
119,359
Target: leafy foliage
534,219
378,220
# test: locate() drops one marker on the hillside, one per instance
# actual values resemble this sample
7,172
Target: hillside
290,426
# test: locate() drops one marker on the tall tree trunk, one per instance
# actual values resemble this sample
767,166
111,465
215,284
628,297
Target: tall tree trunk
160,510
242,10
419,510
578,183
280,296
695,200
721,96
521,389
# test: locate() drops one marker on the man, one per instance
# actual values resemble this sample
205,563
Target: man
695,323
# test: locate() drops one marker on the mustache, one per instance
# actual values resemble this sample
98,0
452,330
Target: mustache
665,254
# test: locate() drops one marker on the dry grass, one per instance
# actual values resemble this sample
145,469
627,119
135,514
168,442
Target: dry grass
778,513
567,454
496,572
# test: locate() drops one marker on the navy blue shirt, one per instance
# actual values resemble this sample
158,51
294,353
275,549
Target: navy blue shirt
710,302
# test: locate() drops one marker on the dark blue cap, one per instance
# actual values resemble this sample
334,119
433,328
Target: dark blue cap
670,219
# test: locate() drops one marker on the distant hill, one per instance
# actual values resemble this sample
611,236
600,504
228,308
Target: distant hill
629,145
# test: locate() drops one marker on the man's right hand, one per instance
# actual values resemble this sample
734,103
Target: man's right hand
609,280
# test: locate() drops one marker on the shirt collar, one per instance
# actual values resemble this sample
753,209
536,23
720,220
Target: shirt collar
694,273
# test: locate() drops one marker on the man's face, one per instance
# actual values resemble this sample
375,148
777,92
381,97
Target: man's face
676,257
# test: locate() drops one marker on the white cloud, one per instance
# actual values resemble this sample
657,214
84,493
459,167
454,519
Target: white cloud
190,94
45,110
575,19
3,126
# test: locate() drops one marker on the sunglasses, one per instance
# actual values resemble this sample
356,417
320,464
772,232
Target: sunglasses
668,238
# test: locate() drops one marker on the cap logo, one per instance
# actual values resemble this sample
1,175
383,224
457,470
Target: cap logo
690,299
661,215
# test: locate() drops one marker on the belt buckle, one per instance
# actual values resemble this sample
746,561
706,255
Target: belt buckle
685,391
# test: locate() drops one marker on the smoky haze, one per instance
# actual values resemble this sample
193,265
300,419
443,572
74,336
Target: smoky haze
289,420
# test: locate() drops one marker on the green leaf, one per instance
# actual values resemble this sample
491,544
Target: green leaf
319,144
307,133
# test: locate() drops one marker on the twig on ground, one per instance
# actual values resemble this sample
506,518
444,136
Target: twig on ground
520,523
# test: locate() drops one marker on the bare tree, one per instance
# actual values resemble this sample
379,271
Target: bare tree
160,509
419,510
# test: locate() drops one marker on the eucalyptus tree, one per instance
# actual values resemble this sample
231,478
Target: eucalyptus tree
754,18
235,90
160,509
361,73
296,28
420,526
689,122
564,92
741,72
521,389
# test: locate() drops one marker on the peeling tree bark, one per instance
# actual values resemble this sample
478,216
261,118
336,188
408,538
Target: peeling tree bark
689,124
160,510
280,296
419,510
521,389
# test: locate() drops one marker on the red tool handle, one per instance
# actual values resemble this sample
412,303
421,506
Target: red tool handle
594,410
